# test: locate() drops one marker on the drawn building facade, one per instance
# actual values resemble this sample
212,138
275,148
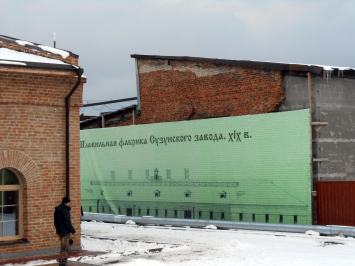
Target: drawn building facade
190,88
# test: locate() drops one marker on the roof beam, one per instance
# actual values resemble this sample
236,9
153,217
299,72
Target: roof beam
113,101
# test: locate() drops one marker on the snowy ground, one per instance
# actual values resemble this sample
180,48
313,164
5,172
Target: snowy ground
188,246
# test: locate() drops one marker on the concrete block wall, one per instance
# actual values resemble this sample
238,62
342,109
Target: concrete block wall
32,144
172,90
333,101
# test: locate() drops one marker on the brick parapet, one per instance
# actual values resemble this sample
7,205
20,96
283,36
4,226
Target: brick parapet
172,90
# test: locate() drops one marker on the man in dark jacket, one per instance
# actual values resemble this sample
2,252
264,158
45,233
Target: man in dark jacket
64,227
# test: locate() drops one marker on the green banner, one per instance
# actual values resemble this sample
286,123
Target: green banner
252,168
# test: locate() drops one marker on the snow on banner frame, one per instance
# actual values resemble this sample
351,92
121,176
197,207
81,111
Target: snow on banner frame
253,168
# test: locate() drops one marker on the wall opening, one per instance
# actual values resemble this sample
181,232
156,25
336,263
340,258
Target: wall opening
187,215
129,212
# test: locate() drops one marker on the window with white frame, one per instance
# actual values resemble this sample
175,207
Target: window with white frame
10,206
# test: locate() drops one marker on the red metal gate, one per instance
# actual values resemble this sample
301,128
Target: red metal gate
336,203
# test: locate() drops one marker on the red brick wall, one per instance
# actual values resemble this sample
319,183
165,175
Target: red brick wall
176,90
32,143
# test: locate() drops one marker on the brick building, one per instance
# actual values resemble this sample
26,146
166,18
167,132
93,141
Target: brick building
173,88
40,96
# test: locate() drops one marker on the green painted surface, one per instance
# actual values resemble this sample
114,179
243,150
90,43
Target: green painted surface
250,168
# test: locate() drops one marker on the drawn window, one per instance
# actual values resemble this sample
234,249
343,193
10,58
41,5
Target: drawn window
187,214
139,211
186,170
266,218
129,174
295,219
166,213
240,217
113,175
222,215
90,209
223,194
129,193
156,212
281,220
253,217
146,174
175,214
187,194
147,212
10,206
200,214
168,173
129,211
157,193
211,215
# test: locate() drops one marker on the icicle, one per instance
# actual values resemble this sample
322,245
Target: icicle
327,73
341,73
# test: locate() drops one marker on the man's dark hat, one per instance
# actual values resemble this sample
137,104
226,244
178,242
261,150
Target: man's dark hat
65,200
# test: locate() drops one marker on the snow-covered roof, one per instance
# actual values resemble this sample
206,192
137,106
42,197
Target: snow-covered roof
35,46
23,58
8,54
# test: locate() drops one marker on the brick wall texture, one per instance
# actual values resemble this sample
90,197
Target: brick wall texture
175,90
32,144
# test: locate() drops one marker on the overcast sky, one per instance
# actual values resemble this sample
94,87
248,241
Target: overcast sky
105,33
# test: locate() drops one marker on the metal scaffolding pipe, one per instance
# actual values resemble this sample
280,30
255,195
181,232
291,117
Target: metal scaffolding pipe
290,228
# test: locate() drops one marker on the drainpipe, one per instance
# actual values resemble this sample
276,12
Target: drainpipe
138,88
79,72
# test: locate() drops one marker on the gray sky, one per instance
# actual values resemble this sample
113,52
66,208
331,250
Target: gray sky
105,33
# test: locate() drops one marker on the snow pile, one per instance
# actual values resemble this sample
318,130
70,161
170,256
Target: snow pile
312,233
52,50
23,43
211,226
130,222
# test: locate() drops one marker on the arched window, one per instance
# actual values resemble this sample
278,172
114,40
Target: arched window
157,193
10,206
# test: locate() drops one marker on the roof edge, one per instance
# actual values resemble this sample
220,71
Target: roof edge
242,63
12,40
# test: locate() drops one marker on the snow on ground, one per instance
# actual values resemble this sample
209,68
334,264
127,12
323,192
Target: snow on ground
133,245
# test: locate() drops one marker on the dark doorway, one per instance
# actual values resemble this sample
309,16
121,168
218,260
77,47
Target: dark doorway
187,214
129,211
